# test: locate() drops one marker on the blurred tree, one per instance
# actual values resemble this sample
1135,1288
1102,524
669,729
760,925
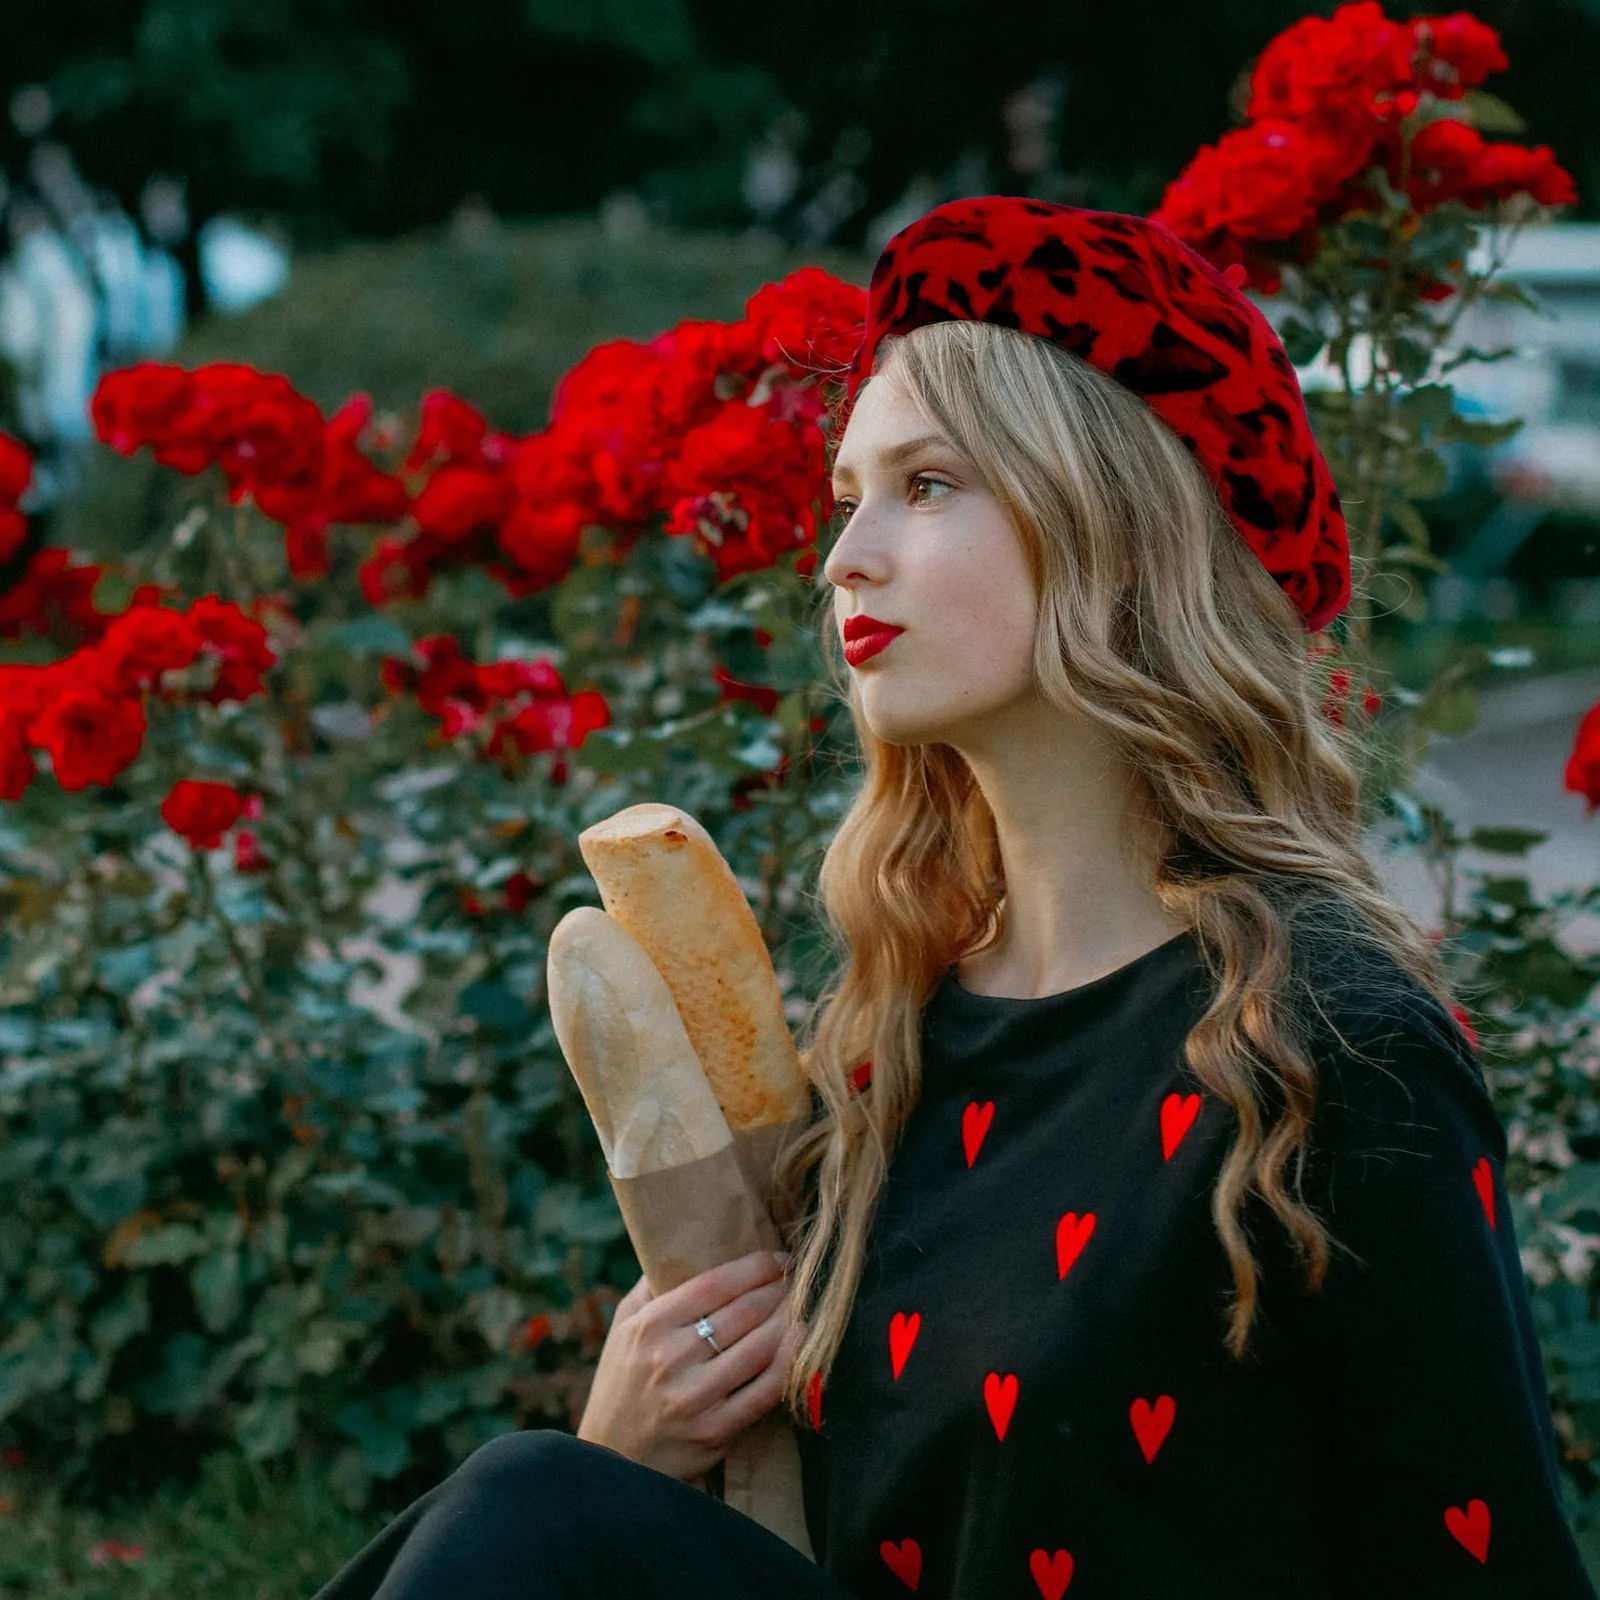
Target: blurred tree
345,118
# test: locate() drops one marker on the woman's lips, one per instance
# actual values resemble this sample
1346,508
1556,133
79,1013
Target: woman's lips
869,644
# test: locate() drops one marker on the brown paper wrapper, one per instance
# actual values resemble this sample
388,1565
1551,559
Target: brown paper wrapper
687,1219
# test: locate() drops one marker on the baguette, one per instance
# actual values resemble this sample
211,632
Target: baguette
662,878
625,1044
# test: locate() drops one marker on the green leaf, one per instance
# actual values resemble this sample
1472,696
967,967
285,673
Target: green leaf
1410,521
1488,113
1301,341
1411,358
164,1247
1427,405
180,1388
1452,711
267,1425
1573,1191
1510,290
492,1005
380,1430
1471,430
214,1281
1470,353
1424,476
123,970
1506,841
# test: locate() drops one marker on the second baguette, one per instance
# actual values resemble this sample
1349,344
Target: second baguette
662,878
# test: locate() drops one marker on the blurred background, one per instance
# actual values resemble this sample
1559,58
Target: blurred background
398,196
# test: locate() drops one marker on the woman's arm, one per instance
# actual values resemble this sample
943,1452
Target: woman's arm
1442,1470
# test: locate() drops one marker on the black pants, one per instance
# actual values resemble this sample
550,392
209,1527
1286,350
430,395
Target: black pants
539,1514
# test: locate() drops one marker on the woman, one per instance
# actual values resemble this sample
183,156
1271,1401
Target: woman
1151,1237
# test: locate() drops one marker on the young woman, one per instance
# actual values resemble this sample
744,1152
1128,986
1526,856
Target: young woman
1151,1237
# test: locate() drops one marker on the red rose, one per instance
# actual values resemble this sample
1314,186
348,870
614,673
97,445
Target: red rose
1583,767
1452,161
811,320
53,595
353,489
202,812
520,888
457,500
90,733
544,543
394,570
1327,69
551,724
1457,53
141,405
24,693
143,643
16,469
239,643
247,856
448,429
1271,177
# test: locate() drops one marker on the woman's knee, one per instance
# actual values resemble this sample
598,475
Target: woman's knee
535,1467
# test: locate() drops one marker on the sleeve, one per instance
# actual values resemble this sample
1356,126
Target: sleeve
1441,1468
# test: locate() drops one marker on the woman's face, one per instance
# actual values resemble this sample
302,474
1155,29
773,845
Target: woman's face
925,547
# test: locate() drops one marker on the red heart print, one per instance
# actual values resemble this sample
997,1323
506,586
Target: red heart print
814,1401
904,1560
975,1122
1072,1234
1483,1179
1470,1528
1152,1422
1051,1572
1000,1395
1177,1117
902,1335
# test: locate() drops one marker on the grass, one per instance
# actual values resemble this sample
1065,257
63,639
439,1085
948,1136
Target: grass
243,1532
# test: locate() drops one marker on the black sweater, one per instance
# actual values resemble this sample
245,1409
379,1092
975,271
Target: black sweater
1033,1398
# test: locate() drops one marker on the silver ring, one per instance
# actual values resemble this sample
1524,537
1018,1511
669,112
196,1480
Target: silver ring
703,1328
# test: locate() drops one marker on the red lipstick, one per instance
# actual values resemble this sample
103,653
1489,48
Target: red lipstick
864,637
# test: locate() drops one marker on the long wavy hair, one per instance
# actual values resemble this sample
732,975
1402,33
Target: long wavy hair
1157,620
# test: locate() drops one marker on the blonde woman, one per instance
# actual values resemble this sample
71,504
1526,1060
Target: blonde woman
1151,1236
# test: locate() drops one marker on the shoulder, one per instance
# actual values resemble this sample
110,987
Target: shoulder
1395,1070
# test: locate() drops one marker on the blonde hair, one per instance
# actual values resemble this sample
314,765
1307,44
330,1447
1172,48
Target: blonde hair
1157,620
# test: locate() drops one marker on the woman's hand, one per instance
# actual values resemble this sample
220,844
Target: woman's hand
662,1396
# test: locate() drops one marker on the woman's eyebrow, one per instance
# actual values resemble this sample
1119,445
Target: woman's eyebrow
892,456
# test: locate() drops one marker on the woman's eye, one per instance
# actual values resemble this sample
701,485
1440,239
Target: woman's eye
843,507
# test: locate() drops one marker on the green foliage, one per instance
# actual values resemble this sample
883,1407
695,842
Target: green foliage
249,1196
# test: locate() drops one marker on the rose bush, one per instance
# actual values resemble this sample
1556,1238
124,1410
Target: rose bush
288,1155
295,1160
1359,191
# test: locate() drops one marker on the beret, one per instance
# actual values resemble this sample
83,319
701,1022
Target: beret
1133,300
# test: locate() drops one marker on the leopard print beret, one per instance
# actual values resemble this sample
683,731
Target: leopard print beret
1131,299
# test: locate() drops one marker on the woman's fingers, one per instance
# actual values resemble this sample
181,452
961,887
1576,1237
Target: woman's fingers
738,1365
749,1404
731,1323
709,1291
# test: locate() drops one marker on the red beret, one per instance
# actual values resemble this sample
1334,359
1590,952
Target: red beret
1133,300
